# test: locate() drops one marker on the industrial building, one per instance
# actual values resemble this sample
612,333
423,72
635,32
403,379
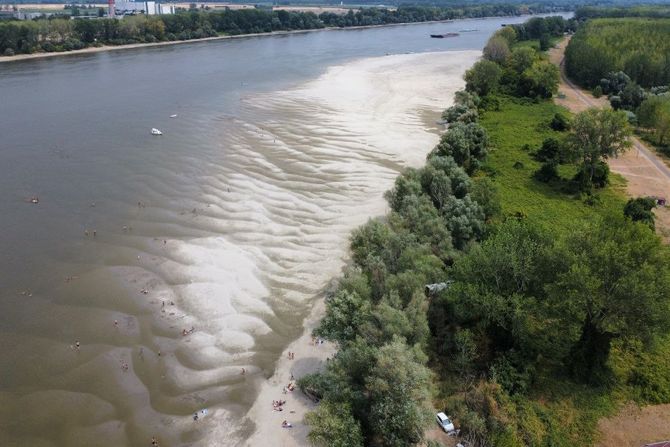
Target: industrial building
150,8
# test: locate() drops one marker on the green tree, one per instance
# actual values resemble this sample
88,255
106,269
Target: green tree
485,193
522,58
613,284
497,50
598,134
467,144
508,33
345,315
483,77
654,113
640,210
541,79
399,398
545,42
465,220
333,425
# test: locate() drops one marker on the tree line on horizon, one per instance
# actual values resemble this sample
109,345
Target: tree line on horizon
63,34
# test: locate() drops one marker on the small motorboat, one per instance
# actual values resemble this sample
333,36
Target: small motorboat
155,131
173,116
467,30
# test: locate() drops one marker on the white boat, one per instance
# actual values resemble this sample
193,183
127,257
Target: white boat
155,131
173,116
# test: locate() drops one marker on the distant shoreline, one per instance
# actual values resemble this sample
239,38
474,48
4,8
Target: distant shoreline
21,57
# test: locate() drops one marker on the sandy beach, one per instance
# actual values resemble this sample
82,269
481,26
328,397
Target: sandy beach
377,93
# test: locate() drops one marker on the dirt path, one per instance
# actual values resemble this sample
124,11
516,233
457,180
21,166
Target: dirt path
646,174
635,426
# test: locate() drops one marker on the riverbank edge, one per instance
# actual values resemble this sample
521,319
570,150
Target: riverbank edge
304,347
104,48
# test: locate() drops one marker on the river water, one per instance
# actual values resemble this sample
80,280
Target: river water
231,223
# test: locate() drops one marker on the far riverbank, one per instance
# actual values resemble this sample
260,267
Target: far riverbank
89,50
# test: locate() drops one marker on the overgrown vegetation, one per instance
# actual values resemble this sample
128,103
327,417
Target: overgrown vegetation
63,34
547,302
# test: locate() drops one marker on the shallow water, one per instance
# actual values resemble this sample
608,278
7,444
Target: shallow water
232,222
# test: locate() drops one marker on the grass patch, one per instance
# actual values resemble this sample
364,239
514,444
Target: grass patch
511,167
558,411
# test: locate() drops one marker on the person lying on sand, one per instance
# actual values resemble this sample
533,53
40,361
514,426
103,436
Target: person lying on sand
286,424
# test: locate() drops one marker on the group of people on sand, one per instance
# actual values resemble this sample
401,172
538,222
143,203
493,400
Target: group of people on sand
277,405
185,332
291,355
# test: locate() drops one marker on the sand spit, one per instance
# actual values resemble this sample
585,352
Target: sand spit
393,101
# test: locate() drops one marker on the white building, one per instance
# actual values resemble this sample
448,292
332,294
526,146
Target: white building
148,8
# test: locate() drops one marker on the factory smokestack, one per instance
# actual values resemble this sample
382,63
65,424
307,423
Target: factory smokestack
110,6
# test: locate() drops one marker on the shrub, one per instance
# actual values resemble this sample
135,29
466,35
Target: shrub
600,176
640,210
547,172
483,77
550,151
560,122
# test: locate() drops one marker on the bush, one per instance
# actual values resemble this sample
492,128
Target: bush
545,42
600,177
9,52
550,151
467,144
547,172
640,210
560,122
483,77
597,91
460,113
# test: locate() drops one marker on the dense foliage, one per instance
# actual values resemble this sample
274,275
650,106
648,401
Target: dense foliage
518,70
540,303
637,46
63,34
593,12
